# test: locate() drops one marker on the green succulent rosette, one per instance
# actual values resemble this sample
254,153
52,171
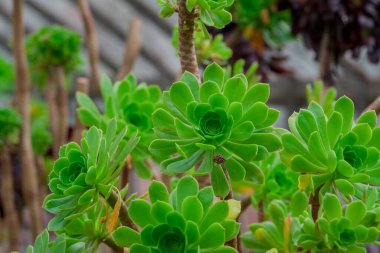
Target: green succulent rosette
334,150
210,12
54,46
83,174
280,230
131,104
280,182
10,121
185,221
220,118
341,227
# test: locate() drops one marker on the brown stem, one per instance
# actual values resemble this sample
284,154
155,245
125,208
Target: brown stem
375,105
50,95
245,203
29,171
219,159
82,86
260,212
186,48
92,43
111,243
315,203
325,59
123,214
125,172
7,192
131,49
62,104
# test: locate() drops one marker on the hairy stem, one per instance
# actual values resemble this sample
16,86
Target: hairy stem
92,43
111,243
188,57
123,215
7,192
29,171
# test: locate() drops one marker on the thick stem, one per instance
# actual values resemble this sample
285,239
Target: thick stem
260,212
7,191
82,86
29,171
187,54
62,104
53,111
375,105
92,43
325,59
123,214
131,49
111,243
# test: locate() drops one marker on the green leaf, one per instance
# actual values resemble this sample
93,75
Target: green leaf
193,83
368,117
164,122
192,209
257,93
235,169
208,88
87,197
42,241
221,18
139,211
192,233
245,151
364,133
355,212
345,107
181,96
258,113
334,128
187,186
184,164
217,213
270,141
86,102
206,196
332,206
219,182
215,73
106,86
138,248
299,203
345,169
160,210
126,236
301,164
158,191
87,117
234,89
345,187
212,237
224,249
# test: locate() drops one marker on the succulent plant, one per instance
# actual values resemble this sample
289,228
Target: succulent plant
334,150
222,118
54,46
277,233
341,227
208,48
132,105
185,221
10,121
280,182
315,92
82,175
211,12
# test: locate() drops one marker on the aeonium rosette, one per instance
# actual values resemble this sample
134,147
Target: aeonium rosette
221,118
83,174
131,104
334,150
185,221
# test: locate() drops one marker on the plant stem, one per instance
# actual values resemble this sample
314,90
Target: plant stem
111,243
325,59
186,48
131,49
82,85
375,105
50,91
315,203
123,215
260,212
29,171
7,195
92,43
62,104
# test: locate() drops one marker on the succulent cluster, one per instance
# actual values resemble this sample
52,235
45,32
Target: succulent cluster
185,221
210,12
10,121
349,25
222,118
132,105
82,175
334,150
54,46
